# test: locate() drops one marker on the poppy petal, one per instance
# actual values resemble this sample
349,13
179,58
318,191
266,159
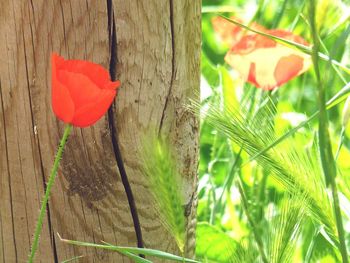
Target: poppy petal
62,104
95,72
290,63
82,90
287,35
266,63
228,32
252,74
287,68
231,33
56,60
112,85
92,112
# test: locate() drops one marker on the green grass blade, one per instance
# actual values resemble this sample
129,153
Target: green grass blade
71,259
341,39
134,257
297,17
327,159
131,251
279,14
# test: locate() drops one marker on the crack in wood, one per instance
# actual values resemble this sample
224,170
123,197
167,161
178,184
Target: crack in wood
113,129
173,63
52,236
18,146
8,173
64,28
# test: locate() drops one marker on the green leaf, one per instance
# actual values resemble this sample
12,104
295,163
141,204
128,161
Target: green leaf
218,170
228,88
214,245
210,72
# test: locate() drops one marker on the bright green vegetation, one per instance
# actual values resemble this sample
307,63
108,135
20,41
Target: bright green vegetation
274,184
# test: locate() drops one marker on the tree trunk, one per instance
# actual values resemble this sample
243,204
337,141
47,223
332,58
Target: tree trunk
153,47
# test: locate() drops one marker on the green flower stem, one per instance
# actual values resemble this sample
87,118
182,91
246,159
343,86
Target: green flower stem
45,200
327,159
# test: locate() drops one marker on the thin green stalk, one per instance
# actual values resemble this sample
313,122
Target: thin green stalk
341,141
212,213
327,160
257,13
257,236
261,195
311,246
296,19
49,185
227,183
279,14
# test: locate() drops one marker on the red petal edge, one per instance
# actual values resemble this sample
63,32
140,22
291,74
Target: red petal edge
62,104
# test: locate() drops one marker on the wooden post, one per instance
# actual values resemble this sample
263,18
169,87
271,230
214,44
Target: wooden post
156,56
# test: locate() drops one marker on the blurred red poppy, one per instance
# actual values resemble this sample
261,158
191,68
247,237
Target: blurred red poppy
264,62
230,33
81,91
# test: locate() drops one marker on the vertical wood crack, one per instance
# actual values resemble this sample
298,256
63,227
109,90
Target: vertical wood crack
113,128
173,63
8,174
52,236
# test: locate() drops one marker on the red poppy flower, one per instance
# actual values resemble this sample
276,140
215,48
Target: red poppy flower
261,60
81,91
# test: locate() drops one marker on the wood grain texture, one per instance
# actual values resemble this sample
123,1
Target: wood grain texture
158,52
159,45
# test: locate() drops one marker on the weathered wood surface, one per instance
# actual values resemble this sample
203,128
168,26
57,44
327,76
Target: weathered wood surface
158,52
